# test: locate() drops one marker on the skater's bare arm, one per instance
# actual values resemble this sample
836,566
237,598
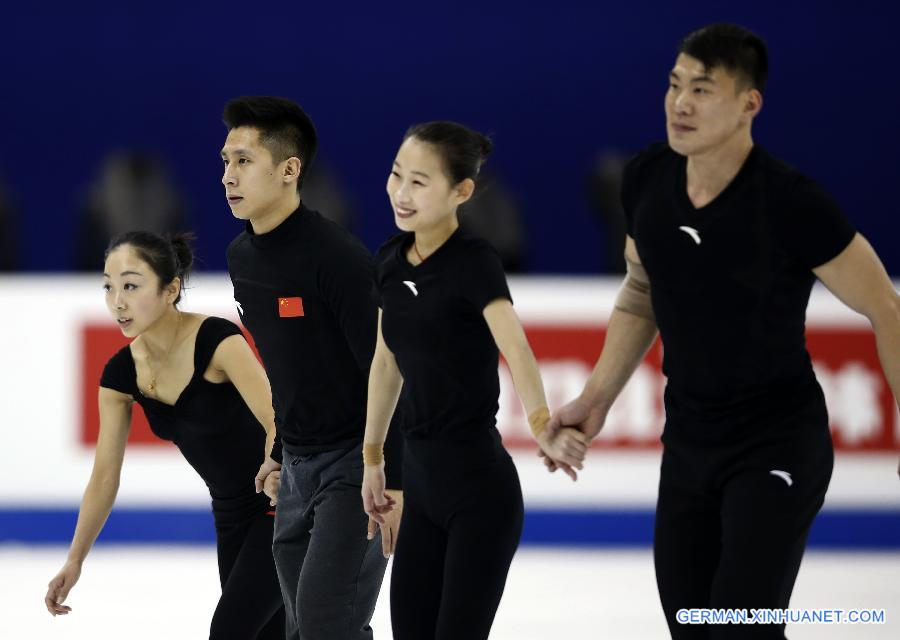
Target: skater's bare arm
115,423
566,446
235,359
385,383
629,334
857,277
383,507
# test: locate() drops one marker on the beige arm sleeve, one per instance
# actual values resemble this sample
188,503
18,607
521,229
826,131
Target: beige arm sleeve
634,296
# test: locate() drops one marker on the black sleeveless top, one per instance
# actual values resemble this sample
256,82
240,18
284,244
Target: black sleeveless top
209,423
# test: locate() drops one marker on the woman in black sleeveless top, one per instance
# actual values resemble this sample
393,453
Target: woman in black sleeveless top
201,387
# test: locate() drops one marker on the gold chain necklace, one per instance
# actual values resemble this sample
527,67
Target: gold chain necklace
151,388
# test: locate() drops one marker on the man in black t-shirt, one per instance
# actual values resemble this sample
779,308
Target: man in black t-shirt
303,286
724,244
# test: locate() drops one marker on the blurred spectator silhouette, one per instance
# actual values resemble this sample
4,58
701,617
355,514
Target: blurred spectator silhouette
493,214
604,187
9,246
133,192
323,192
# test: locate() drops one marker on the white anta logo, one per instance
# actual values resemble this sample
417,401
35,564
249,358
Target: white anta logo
239,307
693,233
784,475
412,286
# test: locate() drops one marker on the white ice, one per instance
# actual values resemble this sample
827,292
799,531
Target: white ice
143,592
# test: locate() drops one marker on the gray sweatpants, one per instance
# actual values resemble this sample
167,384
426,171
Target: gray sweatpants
330,574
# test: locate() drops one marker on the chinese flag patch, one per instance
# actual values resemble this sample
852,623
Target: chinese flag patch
290,307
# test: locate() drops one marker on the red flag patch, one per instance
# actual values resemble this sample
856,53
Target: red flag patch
290,307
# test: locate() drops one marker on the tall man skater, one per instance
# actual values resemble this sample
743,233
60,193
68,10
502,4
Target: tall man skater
303,287
724,244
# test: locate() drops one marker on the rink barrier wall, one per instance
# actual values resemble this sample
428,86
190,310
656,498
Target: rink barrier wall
55,336
862,530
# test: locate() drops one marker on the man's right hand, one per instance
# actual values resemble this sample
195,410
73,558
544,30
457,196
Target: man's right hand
577,414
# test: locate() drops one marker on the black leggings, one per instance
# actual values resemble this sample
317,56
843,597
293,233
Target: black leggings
730,533
462,520
251,607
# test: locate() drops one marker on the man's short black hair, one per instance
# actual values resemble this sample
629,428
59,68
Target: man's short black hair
733,48
284,128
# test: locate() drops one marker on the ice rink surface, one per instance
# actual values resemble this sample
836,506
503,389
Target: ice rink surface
143,592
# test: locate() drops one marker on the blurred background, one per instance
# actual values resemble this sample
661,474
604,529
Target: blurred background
104,97
112,119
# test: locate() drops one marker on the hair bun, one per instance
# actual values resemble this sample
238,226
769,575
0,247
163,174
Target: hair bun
181,245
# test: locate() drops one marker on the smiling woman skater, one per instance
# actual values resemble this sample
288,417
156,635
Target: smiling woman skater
446,310
200,386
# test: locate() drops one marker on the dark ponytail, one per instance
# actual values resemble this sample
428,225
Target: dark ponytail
169,257
462,149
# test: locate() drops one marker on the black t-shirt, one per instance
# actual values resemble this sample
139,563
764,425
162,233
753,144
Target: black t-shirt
305,292
730,282
209,423
432,322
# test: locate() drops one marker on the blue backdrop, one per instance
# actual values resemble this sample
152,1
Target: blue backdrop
554,83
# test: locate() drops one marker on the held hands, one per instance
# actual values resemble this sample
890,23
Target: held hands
376,501
390,528
577,414
565,448
379,503
59,587
271,486
268,466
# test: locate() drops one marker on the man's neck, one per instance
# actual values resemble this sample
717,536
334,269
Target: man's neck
278,214
710,172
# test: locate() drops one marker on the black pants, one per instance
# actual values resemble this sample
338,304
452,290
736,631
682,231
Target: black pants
462,520
251,607
732,522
